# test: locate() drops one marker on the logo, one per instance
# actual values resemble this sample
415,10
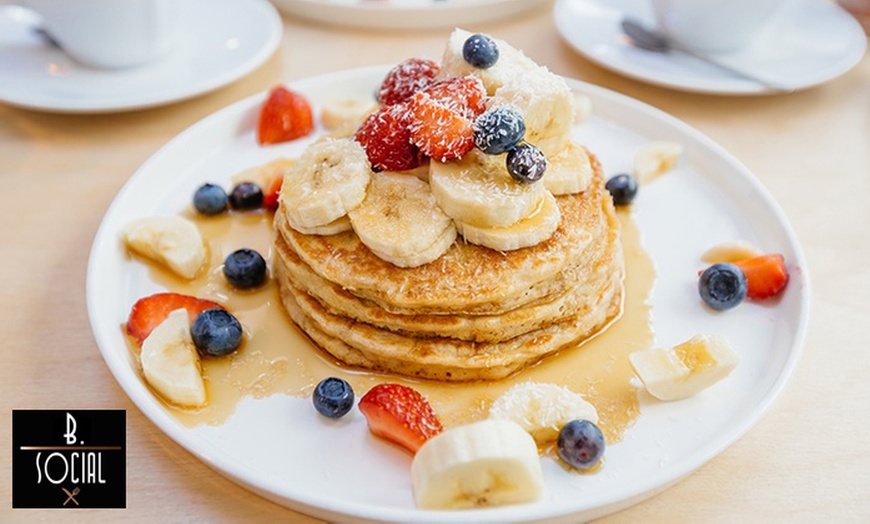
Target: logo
69,459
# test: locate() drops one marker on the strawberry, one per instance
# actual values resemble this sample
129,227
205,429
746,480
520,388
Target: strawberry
387,141
439,132
765,275
270,197
148,312
464,95
400,414
405,79
284,116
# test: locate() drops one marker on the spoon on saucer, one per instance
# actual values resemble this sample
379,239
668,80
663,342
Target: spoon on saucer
651,39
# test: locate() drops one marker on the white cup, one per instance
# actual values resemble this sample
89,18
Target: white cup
109,33
714,25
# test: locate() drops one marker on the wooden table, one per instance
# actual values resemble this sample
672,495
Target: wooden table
806,460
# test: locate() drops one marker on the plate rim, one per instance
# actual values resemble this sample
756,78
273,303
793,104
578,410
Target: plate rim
272,25
327,507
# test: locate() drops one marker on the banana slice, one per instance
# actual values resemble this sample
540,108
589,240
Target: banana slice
400,221
655,158
542,409
345,114
263,174
569,171
511,62
339,225
547,105
327,181
529,231
171,363
689,368
169,240
478,191
486,463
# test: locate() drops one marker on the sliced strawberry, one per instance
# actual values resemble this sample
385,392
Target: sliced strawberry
387,141
765,275
462,94
148,312
284,116
400,414
405,79
270,197
440,132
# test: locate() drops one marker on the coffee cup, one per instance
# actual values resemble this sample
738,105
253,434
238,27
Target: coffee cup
109,33
714,25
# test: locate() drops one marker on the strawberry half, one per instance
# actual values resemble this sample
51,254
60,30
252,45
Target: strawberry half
765,275
405,79
270,197
461,94
148,312
400,414
439,131
387,141
284,116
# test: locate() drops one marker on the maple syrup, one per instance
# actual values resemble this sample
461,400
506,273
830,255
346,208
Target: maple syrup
277,358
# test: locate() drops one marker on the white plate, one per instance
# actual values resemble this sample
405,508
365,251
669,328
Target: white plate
222,41
279,447
404,14
808,43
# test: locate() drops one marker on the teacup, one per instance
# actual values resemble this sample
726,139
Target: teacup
109,33
714,25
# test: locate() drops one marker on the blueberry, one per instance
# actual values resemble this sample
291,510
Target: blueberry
722,286
526,163
245,268
333,397
498,130
216,332
246,195
480,51
210,199
581,444
622,188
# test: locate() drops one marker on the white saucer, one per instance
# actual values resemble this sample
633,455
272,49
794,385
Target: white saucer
809,42
404,14
222,41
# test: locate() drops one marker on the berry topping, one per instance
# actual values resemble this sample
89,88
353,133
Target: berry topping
270,197
526,163
387,141
245,268
438,131
580,444
210,199
400,414
333,397
246,195
216,332
405,79
765,275
148,312
480,51
722,286
622,188
284,116
498,130
464,95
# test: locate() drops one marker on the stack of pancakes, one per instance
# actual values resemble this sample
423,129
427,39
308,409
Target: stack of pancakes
472,314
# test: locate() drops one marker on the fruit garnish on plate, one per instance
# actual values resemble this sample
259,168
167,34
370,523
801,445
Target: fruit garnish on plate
766,275
386,137
169,240
170,361
284,116
400,414
406,78
148,312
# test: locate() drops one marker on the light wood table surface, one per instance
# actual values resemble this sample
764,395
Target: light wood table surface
807,460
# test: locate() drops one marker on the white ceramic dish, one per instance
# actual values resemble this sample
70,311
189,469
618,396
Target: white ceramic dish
404,14
278,446
809,42
222,41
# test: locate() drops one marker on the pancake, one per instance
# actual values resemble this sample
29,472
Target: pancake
468,279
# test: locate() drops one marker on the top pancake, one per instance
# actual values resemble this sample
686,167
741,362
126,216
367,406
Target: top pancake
468,279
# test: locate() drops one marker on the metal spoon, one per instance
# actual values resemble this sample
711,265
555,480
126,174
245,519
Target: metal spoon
651,40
